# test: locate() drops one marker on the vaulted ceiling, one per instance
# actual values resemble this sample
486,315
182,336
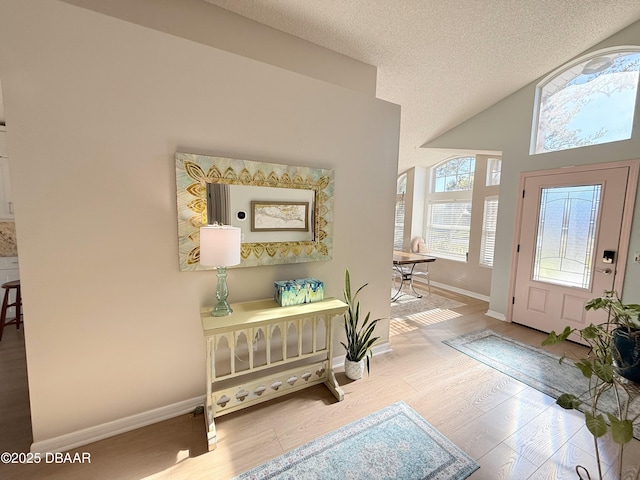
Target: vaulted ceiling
444,61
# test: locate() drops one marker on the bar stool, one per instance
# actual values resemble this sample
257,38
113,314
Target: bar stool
8,286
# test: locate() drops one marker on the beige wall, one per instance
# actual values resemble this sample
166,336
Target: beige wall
96,107
214,26
506,126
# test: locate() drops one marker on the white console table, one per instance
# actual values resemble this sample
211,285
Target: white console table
262,351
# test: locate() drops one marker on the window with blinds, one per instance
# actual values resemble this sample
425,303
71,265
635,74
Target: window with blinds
450,208
489,220
448,227
448,221
398,232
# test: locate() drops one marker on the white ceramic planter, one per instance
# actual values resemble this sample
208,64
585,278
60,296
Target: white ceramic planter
353,370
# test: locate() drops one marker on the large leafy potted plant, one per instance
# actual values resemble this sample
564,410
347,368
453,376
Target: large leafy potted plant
626,333
603,366
360,337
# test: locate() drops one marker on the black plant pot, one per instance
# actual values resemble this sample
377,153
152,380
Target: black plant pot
626,353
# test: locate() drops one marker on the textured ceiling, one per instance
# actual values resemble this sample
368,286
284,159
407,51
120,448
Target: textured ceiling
444,61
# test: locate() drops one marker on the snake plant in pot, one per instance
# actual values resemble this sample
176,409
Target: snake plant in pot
611,369
359,335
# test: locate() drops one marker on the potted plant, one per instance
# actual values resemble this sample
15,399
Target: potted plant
360,337
604,365
626,334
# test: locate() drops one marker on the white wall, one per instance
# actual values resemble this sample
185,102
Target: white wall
96,107
506,126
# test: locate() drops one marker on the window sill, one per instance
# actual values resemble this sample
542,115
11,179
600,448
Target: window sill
448,257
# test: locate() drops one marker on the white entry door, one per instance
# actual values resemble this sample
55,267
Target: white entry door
569,244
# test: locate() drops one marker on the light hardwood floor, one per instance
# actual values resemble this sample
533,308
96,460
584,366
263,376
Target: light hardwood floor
15,415
512,430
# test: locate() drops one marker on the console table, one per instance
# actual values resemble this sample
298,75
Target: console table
262,351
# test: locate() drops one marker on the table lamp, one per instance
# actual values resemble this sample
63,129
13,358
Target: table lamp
220,248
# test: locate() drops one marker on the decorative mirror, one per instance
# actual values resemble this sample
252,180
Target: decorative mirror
285,212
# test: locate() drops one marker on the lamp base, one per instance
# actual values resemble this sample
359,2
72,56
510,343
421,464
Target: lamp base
222,308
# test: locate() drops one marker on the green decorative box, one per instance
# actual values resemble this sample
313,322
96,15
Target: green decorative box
296,292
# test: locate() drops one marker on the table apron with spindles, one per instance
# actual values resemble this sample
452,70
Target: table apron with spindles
262,351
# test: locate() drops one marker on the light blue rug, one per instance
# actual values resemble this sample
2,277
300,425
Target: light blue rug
393,443
532,366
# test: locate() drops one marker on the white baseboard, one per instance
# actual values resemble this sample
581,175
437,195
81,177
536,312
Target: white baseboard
99,432
444,286
377,350
484,298
496,315
85,436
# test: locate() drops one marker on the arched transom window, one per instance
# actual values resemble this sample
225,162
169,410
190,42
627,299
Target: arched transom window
589,102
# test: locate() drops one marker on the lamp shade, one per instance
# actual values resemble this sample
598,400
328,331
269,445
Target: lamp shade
219,245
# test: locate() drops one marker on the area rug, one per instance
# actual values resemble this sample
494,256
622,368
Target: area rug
532,366
393,443
409,313
408,304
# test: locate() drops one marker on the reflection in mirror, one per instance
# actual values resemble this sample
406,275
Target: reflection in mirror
285,212
233,205
218,200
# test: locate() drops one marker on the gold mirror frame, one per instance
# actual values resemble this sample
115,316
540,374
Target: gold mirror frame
193,172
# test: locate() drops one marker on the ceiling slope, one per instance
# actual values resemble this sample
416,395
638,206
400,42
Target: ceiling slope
445,61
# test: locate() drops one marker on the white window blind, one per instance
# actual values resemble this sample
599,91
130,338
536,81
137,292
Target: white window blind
488,243
398,232
448,229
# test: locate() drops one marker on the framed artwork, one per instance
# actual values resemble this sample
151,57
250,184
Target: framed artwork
279,216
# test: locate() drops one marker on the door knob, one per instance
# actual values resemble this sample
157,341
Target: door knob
606,271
